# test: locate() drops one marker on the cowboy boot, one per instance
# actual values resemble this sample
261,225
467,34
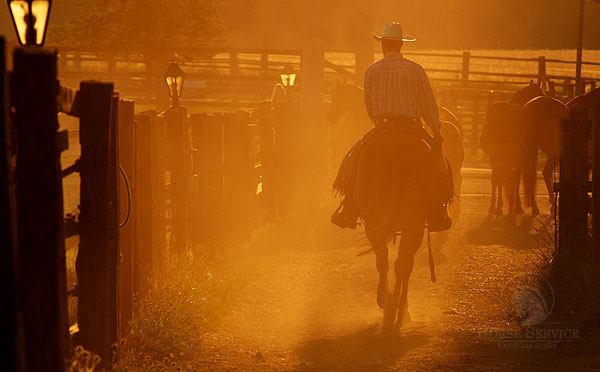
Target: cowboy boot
345,216
438,219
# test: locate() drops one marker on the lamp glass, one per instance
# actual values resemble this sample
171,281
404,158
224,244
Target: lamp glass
288,77
19,9
178,82
174,77
40,10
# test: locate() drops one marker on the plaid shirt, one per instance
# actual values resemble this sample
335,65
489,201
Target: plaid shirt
395,86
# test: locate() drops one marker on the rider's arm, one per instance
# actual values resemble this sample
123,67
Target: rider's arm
368,98
427,103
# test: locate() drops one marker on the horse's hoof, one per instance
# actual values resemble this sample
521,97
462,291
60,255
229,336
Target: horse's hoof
404,318
492,210
383,296
519,210
389,314
499,211
535,211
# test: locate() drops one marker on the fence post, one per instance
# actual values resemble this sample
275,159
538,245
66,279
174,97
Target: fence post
126,236
285,124
573,185
264,63
476,120
143,200
596,178
207,135
11,325
158,181
178,169
234,67
542,72
237,185
40,209
99,231
466,58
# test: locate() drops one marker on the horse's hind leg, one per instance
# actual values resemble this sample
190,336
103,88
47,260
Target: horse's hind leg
409,244
494,184
499,204
383,288
517,208
547,173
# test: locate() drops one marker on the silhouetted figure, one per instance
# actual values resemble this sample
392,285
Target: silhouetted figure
397,93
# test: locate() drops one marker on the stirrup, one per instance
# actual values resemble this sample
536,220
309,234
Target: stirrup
439,221
342,218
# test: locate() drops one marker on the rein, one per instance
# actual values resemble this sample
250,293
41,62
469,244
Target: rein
431,262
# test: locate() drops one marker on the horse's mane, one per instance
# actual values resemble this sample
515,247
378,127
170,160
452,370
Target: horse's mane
526,94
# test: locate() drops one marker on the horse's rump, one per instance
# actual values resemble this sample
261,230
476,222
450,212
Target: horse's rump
540,129
395,179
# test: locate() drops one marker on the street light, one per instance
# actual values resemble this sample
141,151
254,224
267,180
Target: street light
30,18
288,77
174,78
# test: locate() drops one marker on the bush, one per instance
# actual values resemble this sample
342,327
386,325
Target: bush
186,298
573,278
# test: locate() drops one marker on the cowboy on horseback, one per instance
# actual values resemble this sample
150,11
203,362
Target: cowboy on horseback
397,94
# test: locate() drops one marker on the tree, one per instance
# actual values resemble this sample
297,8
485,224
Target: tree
138,26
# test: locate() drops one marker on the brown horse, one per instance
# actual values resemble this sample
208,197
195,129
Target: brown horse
499,139
539,130
585,101
395,173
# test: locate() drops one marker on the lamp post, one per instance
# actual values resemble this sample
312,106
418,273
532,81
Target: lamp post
30,18
174,77
39,194
178,156
579,87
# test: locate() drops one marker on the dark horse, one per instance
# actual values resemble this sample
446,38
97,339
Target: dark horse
391,192
500,140
349,98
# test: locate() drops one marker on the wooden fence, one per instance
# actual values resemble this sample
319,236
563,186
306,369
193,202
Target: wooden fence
229,79
152,185
576,194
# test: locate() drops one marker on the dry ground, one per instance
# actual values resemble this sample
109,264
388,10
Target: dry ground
309,303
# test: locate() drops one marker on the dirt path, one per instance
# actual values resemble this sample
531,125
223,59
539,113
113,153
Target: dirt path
309,304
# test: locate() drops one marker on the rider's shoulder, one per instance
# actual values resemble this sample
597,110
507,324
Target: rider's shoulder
414,64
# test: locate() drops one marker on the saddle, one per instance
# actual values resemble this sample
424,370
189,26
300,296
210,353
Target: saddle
346,176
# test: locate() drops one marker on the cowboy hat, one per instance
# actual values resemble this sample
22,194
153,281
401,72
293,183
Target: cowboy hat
393,31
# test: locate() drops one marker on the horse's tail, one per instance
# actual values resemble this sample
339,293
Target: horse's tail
529,162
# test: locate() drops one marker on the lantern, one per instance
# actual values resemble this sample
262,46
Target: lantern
30,18
174,78
288,77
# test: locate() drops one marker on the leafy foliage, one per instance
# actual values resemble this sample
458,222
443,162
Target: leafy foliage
135,26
